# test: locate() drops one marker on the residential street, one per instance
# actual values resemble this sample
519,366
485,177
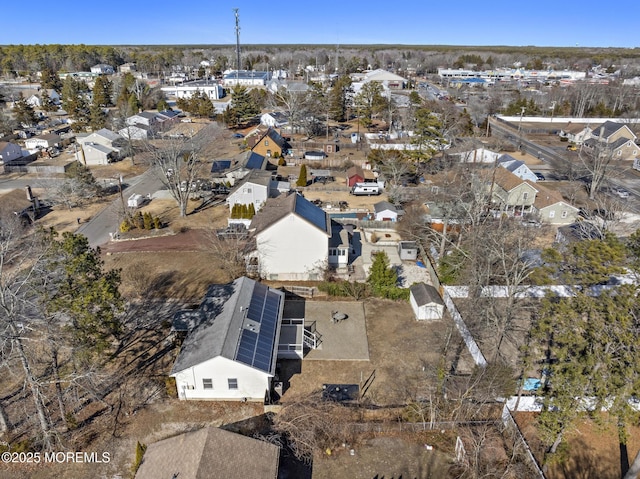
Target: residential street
107,221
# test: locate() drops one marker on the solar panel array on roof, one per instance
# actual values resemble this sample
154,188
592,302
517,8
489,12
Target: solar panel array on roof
255,161
220,165
311,213
258,336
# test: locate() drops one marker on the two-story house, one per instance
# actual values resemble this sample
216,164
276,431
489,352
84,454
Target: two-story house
9,152
293,238
510,194
517,167
271,144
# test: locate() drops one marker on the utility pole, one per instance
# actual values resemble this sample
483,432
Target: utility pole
520,129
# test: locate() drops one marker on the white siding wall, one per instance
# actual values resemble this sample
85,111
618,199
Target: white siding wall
257,195
252,384
292,249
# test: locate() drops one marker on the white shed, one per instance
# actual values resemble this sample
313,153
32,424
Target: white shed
426,302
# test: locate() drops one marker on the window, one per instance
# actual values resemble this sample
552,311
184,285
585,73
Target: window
635,152
525,196
552,214
564,213
619,152
266,142
233,383
207,383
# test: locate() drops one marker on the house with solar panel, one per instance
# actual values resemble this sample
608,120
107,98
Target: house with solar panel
296,240
231,343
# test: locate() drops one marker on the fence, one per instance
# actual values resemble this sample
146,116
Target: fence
397,426
510,423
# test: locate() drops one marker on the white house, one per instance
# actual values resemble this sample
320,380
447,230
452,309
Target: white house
42,141
477,155
292,239
426,302
35,100
102,69
212,89
385,211
97,154
246,78
104,137
517,167
274,119
231,343
136,132
9,152
254,189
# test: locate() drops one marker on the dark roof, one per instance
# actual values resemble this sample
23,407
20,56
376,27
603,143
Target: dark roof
257,177
219,166
239,321
607,129
512,165
275,137
425,294
384,205
210,452
275,209
255,161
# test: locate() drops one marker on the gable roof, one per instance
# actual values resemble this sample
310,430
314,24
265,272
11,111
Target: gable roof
209,452
384,206
106,133
255,161
274,136
355,171
425,294
275,209
256,177
547,197
608,128
508,181
239,321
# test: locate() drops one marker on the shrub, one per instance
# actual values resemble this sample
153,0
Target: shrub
140,450
156,223
147,221
125,226
282,162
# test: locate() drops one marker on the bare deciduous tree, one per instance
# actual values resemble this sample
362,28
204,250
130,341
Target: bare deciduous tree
178,162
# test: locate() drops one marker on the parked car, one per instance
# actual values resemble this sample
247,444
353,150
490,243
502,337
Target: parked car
622,193
572,147
238,135
540,176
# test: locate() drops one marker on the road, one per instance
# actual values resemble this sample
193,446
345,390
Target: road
98,230
559,163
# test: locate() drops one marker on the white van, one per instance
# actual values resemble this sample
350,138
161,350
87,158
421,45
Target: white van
365,189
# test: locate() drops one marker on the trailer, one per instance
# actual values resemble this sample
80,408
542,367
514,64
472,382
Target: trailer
135,201
365,189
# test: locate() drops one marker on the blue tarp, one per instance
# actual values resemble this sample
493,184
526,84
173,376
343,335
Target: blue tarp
531,384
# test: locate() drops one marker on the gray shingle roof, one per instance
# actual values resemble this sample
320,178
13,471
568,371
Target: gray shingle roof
210,452
425,294
275,209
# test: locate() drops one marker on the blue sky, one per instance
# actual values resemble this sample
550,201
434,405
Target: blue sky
445,22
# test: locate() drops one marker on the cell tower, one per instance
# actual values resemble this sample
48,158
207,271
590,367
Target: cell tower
235,10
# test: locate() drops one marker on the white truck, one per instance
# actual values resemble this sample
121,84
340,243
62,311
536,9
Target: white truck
365,189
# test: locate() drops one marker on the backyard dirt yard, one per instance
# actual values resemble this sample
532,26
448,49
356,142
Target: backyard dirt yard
406,456
403,357
592,450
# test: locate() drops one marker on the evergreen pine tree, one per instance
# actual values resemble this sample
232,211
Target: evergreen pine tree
302,176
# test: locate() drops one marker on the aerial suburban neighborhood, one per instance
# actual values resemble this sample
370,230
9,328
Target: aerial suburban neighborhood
319,261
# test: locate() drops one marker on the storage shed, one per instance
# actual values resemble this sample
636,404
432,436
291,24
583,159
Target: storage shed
408,250
426,302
